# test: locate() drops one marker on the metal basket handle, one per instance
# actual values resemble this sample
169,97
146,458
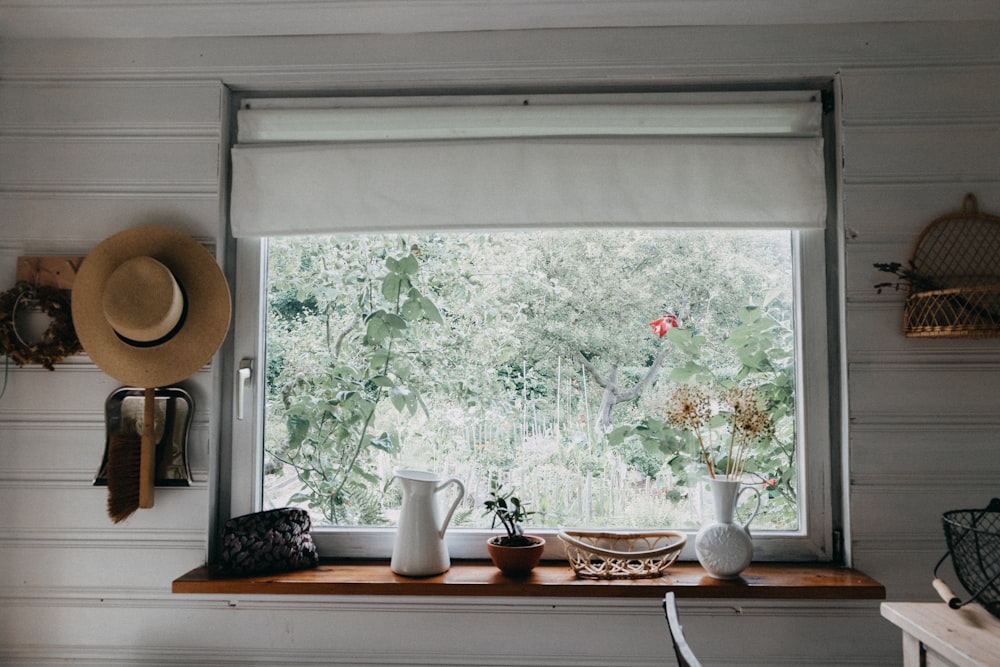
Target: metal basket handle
949,596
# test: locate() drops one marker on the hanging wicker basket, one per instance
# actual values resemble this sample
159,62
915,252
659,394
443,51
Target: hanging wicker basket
957,292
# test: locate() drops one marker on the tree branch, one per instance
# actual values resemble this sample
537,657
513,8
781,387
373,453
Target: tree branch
340,339
612,395
641,385
589,367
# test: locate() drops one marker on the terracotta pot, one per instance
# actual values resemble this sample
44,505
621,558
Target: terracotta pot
516,560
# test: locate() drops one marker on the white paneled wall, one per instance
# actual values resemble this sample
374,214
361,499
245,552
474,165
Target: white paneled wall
98,136
924,413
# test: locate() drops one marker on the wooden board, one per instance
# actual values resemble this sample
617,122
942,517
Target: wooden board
48,271
799,581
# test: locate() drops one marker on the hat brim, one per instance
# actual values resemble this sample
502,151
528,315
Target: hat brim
205,325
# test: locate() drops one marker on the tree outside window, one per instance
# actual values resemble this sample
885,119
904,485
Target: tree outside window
541,361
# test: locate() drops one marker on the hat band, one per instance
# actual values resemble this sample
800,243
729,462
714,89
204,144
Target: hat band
170,334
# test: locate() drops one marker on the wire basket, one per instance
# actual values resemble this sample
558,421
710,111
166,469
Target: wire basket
974,546
595,554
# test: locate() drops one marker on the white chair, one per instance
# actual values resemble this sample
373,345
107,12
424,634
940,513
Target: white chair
685,656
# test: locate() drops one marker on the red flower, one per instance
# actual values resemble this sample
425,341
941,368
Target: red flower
771,484
664,324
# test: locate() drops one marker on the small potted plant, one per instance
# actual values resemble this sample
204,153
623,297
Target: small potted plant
514,553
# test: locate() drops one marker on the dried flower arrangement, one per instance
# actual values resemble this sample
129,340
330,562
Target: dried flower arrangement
739,409
908,277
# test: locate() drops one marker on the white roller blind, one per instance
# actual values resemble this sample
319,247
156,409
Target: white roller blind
367,169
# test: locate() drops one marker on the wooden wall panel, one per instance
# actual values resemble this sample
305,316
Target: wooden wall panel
946,94
74,222
876,334
70,507
103,164
906,566
924,412
884,452
72,451
923,153
951,393
80,161
86,159
346,632
908,511
81,108
105,565
896,212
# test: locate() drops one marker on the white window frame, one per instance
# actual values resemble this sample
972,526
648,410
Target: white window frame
240,490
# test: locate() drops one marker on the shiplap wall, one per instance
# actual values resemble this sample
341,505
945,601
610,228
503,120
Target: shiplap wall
98,136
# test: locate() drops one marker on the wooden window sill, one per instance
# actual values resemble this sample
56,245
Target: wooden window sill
790,581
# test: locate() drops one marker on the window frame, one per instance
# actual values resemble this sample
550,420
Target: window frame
817,327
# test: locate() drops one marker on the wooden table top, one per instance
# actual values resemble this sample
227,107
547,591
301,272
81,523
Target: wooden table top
966,637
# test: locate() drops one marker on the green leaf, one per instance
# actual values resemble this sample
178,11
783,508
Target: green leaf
750,314
365,407
382,442
298,428
430,311
686,372
394,321
412,310
383,381
408,266
345,396
376,330
367,476
379,359
423,407
617,436
392,286
401,368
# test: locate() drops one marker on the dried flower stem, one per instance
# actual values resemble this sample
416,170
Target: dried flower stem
704,454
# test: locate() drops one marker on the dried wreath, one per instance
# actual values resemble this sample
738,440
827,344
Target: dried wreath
58,341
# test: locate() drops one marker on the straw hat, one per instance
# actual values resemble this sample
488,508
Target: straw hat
150,306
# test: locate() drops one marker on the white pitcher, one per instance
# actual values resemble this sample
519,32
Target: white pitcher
420,549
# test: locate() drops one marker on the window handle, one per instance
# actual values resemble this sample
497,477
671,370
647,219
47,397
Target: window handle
243,376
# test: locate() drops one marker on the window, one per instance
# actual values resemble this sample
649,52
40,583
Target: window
513,345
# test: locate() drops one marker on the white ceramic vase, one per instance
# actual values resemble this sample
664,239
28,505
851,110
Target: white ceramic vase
724,548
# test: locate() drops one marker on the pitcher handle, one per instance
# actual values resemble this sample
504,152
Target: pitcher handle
756,507
454,505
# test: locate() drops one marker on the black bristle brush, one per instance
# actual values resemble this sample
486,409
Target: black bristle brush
122,473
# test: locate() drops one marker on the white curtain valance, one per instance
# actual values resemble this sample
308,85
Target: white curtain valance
517,178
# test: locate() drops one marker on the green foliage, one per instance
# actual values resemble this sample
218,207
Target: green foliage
460,353
328,396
